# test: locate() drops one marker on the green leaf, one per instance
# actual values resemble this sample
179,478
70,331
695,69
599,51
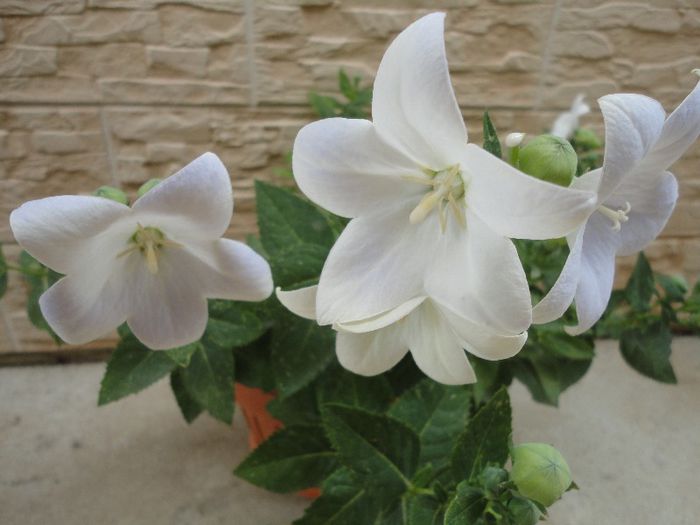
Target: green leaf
299,264
674,286
209,380
38,278
491,142
131,368
486,438
286,219
182,354
424,510
300,408
344,500
437,414
3,273
640,287
567,346
188,406
300,351
294,458
323,106
381,450
233,324
346,86
546,377
254,364
466,507
337,385
647,349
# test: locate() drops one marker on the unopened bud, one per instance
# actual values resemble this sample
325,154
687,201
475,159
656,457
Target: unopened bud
523,511
587,139
147,186
514,139
540,472
113,194
549,158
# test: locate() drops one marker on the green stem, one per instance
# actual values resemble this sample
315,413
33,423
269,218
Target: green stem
514,156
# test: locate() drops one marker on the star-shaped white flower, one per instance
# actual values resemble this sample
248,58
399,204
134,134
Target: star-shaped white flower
636,195
152,265
431,214
435,335
566,122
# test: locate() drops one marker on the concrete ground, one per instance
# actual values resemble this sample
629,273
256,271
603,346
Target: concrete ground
633,446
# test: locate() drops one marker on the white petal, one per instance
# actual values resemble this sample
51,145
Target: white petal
345,167
435,348
233,270
382,320
680,130
413,103
633,124
167,309
477,273
85,307
482,342
301,302
567,122
597,273
377,264
652,205
559,298
371,353
519,206
194,203
62,232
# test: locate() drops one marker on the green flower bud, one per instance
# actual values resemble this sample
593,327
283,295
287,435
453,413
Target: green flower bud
491,477
549,158
147,186
113,194
523,511
540,472
587,139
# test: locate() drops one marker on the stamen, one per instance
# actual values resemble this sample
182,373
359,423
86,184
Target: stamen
616,216
149,241
448,188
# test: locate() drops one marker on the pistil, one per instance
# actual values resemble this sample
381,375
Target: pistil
617,217
448,187
149,241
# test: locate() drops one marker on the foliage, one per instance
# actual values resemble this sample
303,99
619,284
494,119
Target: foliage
356,104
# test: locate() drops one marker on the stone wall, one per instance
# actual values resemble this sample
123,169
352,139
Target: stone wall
115,92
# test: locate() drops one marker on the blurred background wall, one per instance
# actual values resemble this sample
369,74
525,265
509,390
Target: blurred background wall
115,92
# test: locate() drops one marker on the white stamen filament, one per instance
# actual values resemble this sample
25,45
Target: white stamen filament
448,186
149,241
616,216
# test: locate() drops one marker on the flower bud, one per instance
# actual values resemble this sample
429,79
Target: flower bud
113,194
523,511
147,186
540,472
514,139
587,139
549,158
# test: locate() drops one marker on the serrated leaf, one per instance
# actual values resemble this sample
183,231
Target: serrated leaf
182,354
299,351
567,346
491,142
675,287
131,368
323,106
3,273
298,409
437,414
294,458
466,507
640,287
254,364
298,264
188,405
546,377
382,451
231,325
38,278
647,349
485,440
424,510
344,500
340,386
209,380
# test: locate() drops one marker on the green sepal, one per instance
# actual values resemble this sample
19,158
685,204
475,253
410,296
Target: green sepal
491,142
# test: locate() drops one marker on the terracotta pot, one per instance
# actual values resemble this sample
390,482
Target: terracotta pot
261,425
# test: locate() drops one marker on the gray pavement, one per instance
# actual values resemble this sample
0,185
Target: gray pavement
633,446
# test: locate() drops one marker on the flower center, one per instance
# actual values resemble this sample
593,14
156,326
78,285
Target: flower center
448,191
149,241
616,216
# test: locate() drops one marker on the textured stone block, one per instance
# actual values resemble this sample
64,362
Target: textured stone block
48,89
126,60
166,91
214,5
278,21
190,27
615,15
583,44
159,125
22,61
64,142
93,27
189,62
40,7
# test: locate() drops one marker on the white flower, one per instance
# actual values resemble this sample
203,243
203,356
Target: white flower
566,123
636,195
152,265
435,335
431,214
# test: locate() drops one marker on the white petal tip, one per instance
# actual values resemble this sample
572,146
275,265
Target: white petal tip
301,302
696,71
